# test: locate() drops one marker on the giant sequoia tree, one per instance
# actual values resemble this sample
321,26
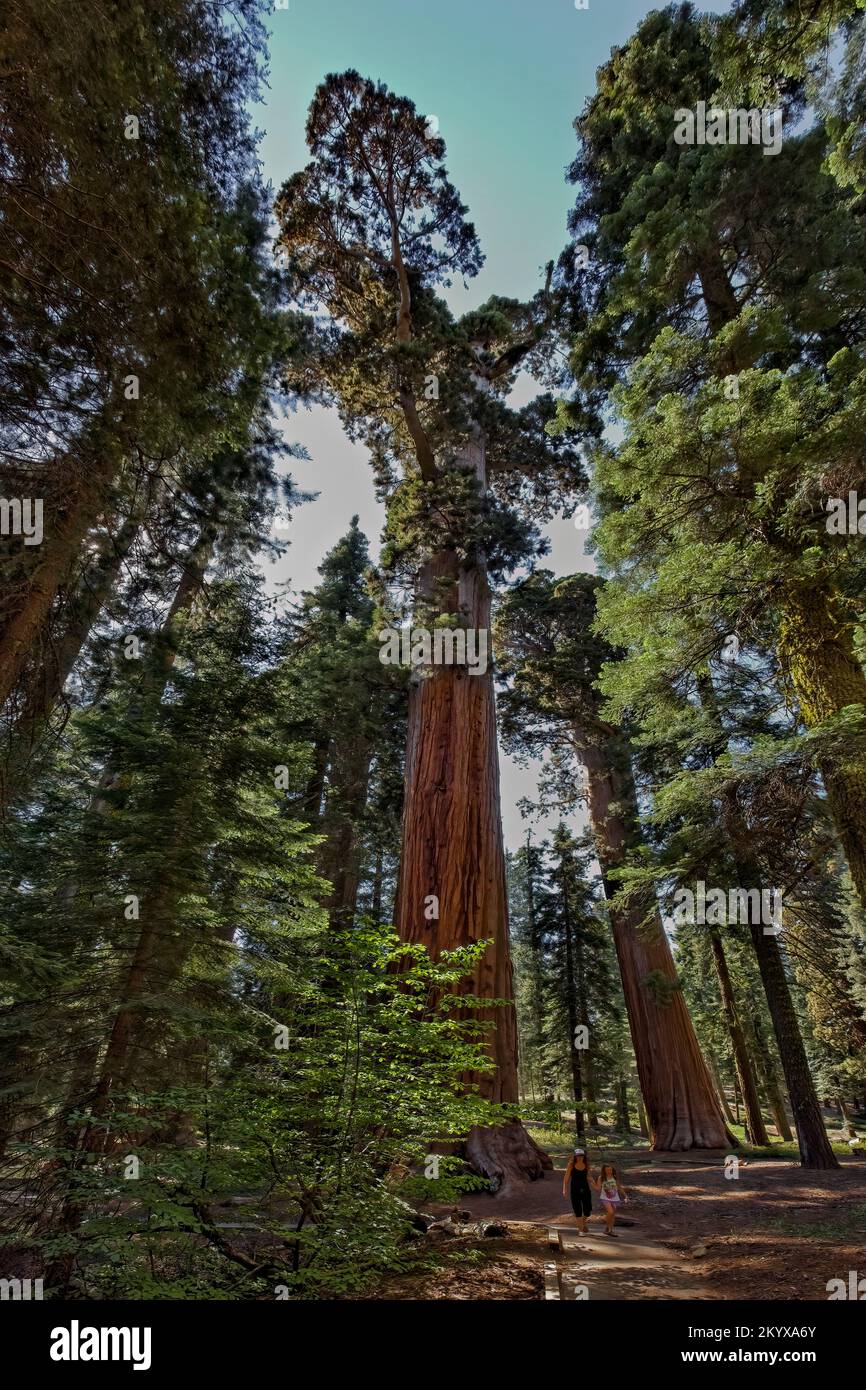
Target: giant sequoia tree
369,230
211,800
553,660
722,315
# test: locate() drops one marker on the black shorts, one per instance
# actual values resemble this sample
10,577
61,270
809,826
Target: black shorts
581,1198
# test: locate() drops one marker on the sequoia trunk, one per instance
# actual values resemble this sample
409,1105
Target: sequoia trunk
682,1108
451,889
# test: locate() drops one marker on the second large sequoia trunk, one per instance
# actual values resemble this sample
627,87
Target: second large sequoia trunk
681,1105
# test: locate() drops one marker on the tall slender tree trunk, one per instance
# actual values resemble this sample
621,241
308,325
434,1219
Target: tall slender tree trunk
376,895
340,858
535,946
452,849
44,691
755,1129
847,1122
589,1078
623,1117
815,1148
315,788
682,1108
583,1017
15,1065
720,1091
641,1114
65,530
571,949
766,1068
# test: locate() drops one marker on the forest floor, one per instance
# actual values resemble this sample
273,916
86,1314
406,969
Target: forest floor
775,1232
469,1268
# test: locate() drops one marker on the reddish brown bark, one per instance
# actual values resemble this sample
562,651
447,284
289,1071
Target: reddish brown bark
815,1148
452,834
452,848
682,1107
45,689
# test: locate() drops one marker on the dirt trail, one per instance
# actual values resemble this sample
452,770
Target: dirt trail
620,1267
776,1232
628,1265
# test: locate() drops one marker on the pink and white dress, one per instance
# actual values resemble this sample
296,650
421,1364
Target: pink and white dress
610,1192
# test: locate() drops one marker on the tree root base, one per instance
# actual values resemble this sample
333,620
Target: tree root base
506,1155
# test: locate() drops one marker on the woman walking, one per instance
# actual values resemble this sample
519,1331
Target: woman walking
575,1185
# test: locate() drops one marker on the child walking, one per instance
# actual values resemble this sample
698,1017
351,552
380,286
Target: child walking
611,1193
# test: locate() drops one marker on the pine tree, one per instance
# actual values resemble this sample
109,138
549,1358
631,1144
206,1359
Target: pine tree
714,311
579,993
524,886
356,711
139,315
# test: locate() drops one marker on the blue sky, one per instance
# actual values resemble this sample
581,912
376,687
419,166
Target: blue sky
505,79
